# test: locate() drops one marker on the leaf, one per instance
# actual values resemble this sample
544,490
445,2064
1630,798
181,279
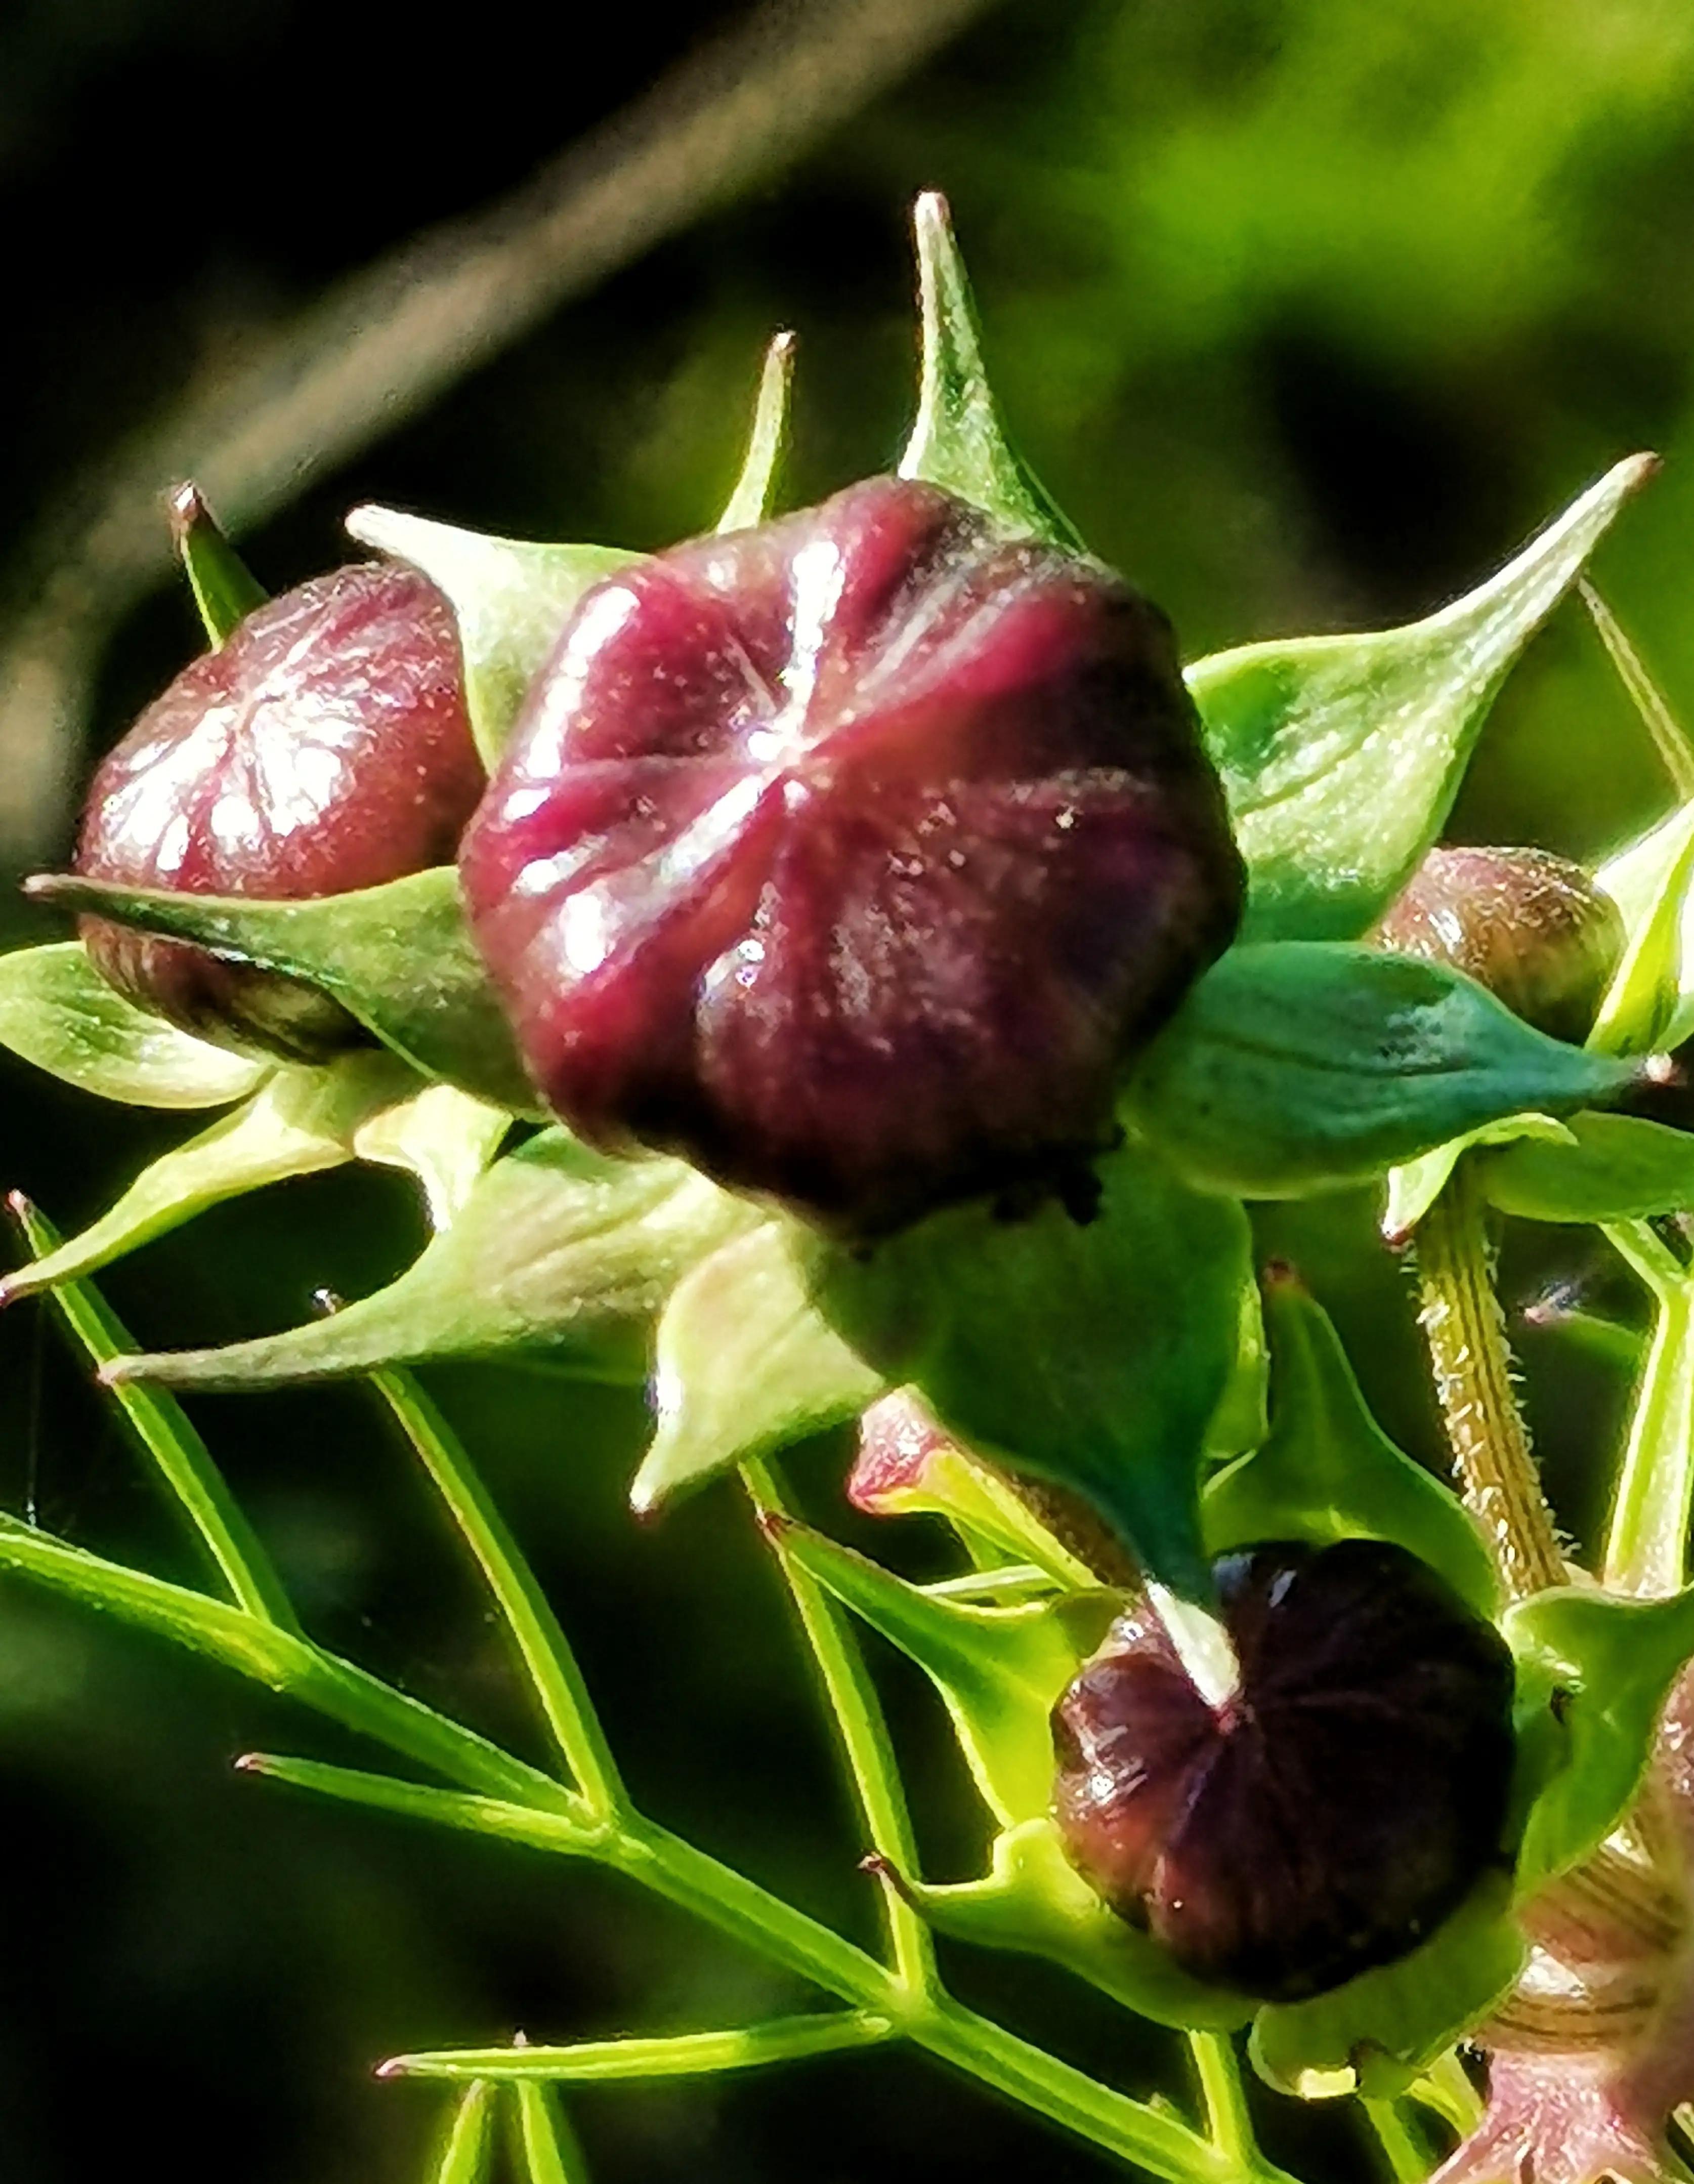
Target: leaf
1034,1903
559,1252
957,441
545,2143
1094,1355
511,599
1341,755
999,1671
1610,1167
467,2148
1645,995
441,1136
1614,1660
672,2055
1384,2029
57,1012
1327,1472
1647,1540
749,502
299,1122
399,957
226,590
1296,1066
1414,1189
498,1819
745,1363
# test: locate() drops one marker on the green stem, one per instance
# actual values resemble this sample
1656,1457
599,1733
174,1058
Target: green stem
863,1734
1224,2097
563,1695
1409,2158
1647,1540
1465,1330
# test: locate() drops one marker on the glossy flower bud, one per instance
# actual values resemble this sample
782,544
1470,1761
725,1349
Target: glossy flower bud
852,856
1530,927
1331,1812
325,748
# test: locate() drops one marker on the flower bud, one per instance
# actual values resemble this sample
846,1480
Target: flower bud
325,748
1530,927
1333,1809
852,856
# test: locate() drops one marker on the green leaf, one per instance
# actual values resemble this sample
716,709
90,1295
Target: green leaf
226,590
1645,994
1414,1189
1296,1066
674,2055
1033,1904
443,1137
57,1012
1327,1472
1610,1167
546,2145
1647,1540
299,1122
745,1363
468,2147
559,1252
498,1819
398,957
1341,755
999,1670
749,502
511,599
957,441
1614,1660
1385,2028
1641,878
1094,1354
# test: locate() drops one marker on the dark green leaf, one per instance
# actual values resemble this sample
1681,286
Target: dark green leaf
1305,1065
1341,755
1612,1168
1092,1354
398,957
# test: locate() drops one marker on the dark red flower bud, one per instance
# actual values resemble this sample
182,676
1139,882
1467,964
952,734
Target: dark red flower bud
1331,1812
852,856
1530,927
325,748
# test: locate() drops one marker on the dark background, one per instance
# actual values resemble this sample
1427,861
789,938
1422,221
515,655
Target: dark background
1308,311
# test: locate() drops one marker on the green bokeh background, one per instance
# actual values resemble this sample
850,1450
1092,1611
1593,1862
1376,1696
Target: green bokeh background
1308,311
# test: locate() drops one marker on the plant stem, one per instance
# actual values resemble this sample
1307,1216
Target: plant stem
1224,2096
1465,1330
863,1735
1407,2158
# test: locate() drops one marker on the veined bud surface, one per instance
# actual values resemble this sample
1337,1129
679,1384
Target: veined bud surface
852,856
1532,928
325,747
1328,1814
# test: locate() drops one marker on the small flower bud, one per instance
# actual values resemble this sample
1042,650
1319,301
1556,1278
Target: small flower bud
1331,1811
325,748
1530,927
852,856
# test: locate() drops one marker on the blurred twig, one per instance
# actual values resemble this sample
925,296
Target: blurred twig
389,338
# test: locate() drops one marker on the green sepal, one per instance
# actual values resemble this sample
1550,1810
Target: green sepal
558,1254
1413,1188
1613,1661
298,1123
57,1012
999,1670
1295,1066
226,590
1327,1472
1341,755
749,500
1646,997
745,1364
957,439
398,957
1608,1167
1380,2032
1093,1354
1640,878
1033,1904
1646,1536
443,1138
511,599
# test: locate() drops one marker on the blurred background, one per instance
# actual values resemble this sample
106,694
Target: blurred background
1308,311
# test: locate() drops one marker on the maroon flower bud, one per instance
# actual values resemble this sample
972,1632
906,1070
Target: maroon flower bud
1532,928
325,748
1333,1809
852,856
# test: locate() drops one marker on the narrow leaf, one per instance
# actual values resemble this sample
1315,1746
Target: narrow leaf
745,1363
57,1012
546,2145
1670,739
511,599
750,501
226,590
958,441
1341,755
1609,1167
441,1136
1647,1541
465,2152
679,2055
494,1816
1644,998
1299,1067
561,1254
398,957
